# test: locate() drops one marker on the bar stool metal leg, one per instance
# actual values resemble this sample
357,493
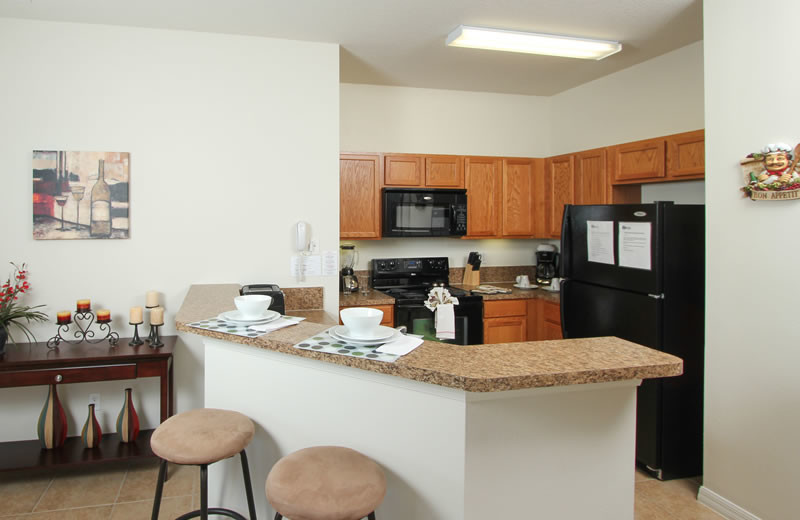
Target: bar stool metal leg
204,491
247,485
162,474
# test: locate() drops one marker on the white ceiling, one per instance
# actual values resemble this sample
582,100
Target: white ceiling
401,42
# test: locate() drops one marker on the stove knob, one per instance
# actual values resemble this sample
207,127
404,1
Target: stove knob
440,264
381,266
392,265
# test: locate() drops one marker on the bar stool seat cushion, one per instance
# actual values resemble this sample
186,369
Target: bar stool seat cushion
325,483
202,436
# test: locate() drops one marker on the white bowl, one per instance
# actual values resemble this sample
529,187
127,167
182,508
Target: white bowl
361,321
252,306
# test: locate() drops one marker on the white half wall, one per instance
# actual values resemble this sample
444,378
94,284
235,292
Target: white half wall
659,97
232,141
752,417
416,120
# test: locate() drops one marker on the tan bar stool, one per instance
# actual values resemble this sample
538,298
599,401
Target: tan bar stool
325,483
202,437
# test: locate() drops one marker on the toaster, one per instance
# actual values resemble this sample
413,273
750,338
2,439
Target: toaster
268,289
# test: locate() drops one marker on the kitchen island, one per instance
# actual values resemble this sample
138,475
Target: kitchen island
517,430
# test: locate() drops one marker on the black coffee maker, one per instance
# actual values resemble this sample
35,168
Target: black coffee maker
546,267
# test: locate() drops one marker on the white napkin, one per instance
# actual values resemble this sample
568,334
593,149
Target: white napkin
401,346
280,323
445,321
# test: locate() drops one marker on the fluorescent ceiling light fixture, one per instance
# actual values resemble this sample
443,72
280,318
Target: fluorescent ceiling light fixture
531,43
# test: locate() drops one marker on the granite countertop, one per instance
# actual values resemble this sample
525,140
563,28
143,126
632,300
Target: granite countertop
473,368
516,294
357,299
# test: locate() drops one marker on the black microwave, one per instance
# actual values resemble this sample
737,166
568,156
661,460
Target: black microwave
424,212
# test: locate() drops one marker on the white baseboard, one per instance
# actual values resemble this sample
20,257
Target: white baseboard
723,506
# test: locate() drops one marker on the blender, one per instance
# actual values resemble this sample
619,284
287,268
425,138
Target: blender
348,256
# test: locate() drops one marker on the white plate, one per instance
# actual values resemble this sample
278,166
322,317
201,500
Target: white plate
381,334
364,343
236,317
518,286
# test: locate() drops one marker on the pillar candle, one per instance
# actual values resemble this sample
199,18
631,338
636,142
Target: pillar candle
157,316
63,317
103,316
136,315
151,299
84,305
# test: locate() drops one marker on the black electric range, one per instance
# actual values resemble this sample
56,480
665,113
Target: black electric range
409,280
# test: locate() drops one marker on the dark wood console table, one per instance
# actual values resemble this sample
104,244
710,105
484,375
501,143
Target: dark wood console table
35,364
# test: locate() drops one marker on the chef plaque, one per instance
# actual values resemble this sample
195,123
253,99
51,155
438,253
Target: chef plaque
772,174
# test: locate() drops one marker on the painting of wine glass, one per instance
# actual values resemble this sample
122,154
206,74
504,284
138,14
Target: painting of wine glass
80,195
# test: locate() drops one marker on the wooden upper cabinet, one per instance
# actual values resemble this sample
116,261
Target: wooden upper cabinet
483,179
638,161
359,196
403,170
560,182
591,181
444,171
686,155
523,198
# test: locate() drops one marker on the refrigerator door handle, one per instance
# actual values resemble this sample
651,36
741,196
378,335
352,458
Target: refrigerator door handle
566,252
657,296
564,283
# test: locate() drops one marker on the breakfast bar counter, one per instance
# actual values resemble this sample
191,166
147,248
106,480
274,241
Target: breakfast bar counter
462,432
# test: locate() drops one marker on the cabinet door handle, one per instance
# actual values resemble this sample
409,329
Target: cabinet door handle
59,378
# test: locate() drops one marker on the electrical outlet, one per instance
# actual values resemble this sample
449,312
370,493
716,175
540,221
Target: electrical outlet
314,246
95,400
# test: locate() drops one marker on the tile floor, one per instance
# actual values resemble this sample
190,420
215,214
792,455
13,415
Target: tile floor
125,493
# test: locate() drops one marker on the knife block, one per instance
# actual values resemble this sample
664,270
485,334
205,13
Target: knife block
471,276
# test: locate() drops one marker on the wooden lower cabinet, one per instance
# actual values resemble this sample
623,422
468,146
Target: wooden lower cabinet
388,313
550,321
544,320
505,321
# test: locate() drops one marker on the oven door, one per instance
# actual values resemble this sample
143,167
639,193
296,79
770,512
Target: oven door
419,320
409,212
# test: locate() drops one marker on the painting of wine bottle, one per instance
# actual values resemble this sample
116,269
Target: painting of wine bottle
80,195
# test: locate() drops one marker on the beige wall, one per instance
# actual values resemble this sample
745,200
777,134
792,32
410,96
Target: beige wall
219,129
413,120
752,341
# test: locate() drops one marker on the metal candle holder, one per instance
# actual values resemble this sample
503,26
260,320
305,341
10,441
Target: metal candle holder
136,341
153,335
83,333
155,341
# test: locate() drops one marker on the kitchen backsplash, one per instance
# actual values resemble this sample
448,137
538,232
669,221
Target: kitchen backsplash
303,298
489,274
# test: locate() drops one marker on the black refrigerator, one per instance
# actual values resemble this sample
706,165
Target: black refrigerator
637,271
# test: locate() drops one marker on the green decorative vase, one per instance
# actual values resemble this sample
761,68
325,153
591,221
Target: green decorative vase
3,338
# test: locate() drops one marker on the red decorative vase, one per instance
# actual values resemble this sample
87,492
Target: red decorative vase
91,432
52,426
128,421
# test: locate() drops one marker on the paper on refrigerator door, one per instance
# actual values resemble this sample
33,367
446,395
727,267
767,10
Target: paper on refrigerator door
634,245
600,241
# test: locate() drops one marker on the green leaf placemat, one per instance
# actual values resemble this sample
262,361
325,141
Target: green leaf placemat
324,342
226,327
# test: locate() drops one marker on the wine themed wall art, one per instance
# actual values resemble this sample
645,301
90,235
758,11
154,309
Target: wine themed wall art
80,194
